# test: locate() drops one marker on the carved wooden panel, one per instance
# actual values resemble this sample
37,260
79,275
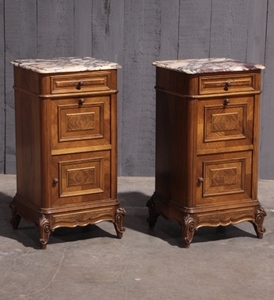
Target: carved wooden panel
224,83
83,176
75,83
80,177
222,124
83,218
226,217
76,124
225,176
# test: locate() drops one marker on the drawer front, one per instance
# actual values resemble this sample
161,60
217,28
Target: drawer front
80,122
224,177
81,82
226,84
225,122
80,177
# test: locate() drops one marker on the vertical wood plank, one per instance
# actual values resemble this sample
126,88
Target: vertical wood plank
255,52
229,28
169,45
83,28
55,28
256,29
2,88
267,116
108,29
141,48
20,37
108,44
194,29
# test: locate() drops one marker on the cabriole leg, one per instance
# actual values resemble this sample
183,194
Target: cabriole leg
188,230
119,222
258,223
44,231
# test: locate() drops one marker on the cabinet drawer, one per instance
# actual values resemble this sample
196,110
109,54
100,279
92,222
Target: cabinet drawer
226,84
80,122
224,177
225,122
80,177
81,82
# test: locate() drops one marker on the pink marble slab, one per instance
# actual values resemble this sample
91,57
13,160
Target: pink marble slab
207,65
65,64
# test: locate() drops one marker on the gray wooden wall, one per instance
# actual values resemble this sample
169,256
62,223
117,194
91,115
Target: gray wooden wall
135,33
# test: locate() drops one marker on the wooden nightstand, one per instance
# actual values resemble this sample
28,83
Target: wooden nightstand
207,131
66,144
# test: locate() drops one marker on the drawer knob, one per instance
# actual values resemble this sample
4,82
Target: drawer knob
226,101
81,101
200,179
227,85
55,180
79,85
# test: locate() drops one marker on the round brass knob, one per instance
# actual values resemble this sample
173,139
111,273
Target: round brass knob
200,179
55,180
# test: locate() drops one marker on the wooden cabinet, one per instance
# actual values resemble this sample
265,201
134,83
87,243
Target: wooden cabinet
66,144
207,130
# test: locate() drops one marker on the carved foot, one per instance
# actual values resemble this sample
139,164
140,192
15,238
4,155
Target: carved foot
153,216
15,219
44,230
188,230
259,220
119,222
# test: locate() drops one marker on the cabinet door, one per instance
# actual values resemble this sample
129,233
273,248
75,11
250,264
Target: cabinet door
223,178
81,177
80,122
225,122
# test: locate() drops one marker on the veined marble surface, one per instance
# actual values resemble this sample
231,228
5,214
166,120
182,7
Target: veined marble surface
65,64
207,65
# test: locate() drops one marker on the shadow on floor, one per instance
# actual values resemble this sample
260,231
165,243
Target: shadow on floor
135,219
170,231
29,236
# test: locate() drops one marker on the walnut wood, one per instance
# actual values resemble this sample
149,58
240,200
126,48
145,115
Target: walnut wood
66,150
207,129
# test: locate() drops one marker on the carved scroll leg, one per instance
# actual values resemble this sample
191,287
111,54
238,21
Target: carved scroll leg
15,218
153,216
188,230
119,221
258,223
44,231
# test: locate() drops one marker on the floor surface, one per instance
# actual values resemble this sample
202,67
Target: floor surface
146,264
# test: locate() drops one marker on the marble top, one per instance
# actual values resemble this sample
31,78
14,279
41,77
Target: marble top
65,64
207,65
